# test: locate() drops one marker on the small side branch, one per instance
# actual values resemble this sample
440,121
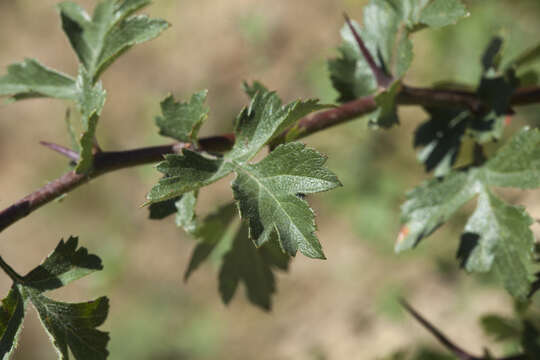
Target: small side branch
70,154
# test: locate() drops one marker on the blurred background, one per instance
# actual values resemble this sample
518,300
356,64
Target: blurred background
342,308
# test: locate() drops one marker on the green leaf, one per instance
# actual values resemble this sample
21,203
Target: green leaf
441,138
215,228
386,114
182,121
31,79
386,30
73,326
91,101
264,119
432,204
517,164
504,242
267,193
272,185
66,264
498,235
11,318
528,57
247,264
160,210
254,88
439,13
221,236
185,215
531,340
100,39
70,326
501,328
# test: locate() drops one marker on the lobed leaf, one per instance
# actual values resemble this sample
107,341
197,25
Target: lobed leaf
31,79
182,121
100,39
498,235
268,191
70,326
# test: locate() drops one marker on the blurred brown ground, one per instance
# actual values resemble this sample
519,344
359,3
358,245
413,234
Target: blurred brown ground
342,308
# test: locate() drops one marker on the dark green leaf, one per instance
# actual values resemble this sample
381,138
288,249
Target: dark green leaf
31,79
11,318
531,340
161,210
501,328
213,230
182,121
66,264
440,138
268,197
245,263
254,88
73,326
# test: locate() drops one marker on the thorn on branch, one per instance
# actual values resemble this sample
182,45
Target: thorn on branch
383,80
70,154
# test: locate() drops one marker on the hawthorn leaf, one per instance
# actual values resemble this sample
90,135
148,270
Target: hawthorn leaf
527,57
254,88
64,265
431,204
517,163
70,326
497,236
501,328
73,326
182,121
91,102
267,193
271,185
212,231
247,264
441,138
160,210
187,172
31,79
12,312
185,211
387,25
264,119
530,340
100,39
504,242
386,114
439,13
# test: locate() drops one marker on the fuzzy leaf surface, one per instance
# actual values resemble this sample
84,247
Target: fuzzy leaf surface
273,183
497,236
387,25
69,325
182,121
31,79
99,39
267,193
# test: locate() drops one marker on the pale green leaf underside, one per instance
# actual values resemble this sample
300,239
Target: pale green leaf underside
182,121
500,233
504,243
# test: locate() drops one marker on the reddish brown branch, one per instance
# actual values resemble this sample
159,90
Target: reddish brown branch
447,343
109,161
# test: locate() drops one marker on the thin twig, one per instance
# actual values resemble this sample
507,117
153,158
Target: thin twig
456,350
443,339
105,162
